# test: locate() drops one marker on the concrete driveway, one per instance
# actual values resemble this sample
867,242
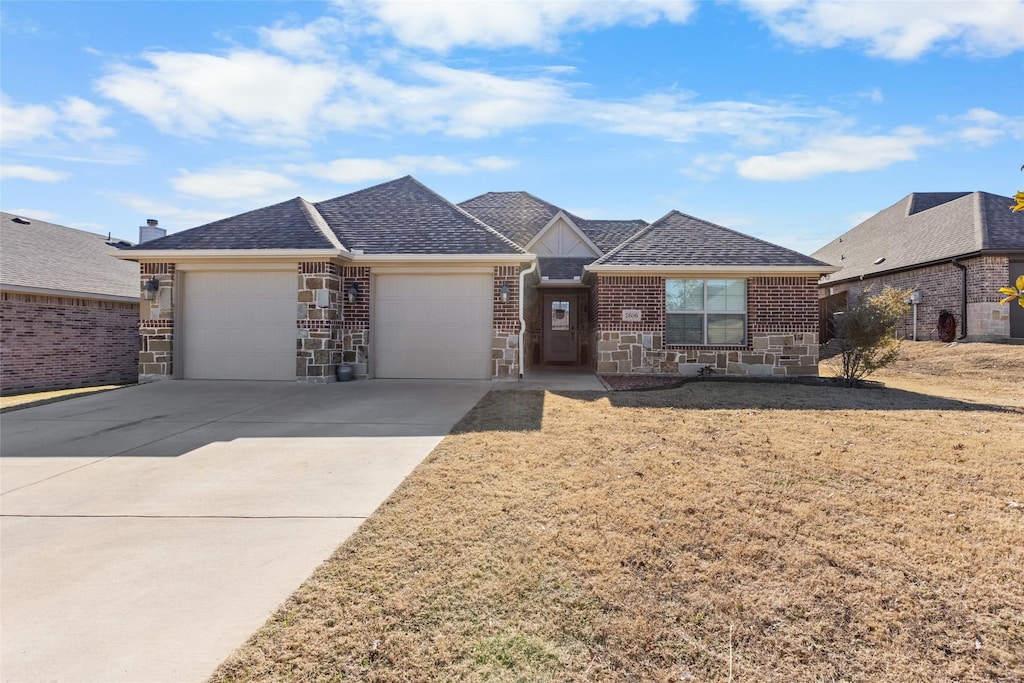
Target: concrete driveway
147,532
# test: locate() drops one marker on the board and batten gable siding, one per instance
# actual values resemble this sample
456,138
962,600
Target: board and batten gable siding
782,329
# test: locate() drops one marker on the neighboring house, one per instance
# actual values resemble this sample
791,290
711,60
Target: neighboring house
956,249
401,283
69,312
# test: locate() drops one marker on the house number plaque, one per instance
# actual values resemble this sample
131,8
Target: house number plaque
632,315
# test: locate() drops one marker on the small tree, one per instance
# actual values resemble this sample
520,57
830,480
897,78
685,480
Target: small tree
866,333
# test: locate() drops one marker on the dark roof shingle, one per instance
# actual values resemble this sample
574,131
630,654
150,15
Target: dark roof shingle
45,255
405,217
925,227
520,216
282,226
678,241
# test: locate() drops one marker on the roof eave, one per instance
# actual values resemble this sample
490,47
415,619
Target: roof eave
925,264
748,271
172,255
43,291
429,258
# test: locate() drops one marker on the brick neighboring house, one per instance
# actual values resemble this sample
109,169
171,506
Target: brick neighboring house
69,312
400,283
955,248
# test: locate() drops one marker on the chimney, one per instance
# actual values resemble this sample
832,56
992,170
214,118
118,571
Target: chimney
150,231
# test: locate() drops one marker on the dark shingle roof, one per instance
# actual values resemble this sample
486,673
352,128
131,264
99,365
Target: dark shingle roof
520,216
609,234
925,227
562,267
679,240
34,253
405,217
282,226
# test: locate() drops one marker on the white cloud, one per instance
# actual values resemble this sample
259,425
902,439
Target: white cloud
677,118
354,170
73,117
35,173
25,123
82,120
494,163
260,97
310,40
170,216
708,166
840,153
984,127
227,183
38,214
440,25
897,29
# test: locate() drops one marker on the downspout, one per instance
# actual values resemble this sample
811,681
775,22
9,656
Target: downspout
522,313
963,298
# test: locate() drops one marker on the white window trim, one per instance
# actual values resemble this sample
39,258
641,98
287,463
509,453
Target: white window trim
704,313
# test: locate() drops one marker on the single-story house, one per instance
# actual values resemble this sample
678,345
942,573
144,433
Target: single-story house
69,312
953,249
401,283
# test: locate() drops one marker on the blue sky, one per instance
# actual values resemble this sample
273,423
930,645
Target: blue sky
791,121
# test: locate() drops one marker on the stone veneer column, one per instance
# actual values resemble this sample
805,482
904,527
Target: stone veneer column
505,340
317,329
156,324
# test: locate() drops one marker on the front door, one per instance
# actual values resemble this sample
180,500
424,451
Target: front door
559,329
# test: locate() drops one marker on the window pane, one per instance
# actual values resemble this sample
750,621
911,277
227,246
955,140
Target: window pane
684,295
684,329
559,315
726,329
727,295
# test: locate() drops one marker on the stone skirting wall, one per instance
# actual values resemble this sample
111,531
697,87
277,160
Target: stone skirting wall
318,327
55,342
354,349
783,355
156,324
504,359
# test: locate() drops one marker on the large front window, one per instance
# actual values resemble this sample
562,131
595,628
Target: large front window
706,312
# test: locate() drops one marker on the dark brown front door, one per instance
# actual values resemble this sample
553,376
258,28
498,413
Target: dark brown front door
559,329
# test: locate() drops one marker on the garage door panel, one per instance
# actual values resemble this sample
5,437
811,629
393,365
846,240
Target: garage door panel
433,326
239,325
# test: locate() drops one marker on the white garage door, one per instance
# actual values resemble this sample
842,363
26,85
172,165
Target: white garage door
239,325
432,326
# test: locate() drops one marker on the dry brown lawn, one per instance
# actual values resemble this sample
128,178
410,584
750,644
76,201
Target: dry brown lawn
713,532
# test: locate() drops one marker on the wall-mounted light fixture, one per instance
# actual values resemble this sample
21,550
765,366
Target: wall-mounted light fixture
505,293
352,292
149,288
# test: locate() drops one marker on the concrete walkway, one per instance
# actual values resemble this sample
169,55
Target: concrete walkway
147,532
554,378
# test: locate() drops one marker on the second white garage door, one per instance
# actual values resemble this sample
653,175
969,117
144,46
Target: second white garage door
239,325
432,326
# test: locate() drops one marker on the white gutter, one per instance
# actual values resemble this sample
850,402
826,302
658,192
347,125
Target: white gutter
522,314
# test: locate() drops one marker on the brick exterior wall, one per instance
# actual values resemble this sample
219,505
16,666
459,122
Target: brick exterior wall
54,342
782,330
940,287
355,320
156,324
505,316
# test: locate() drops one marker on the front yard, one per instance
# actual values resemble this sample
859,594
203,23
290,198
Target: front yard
713,532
